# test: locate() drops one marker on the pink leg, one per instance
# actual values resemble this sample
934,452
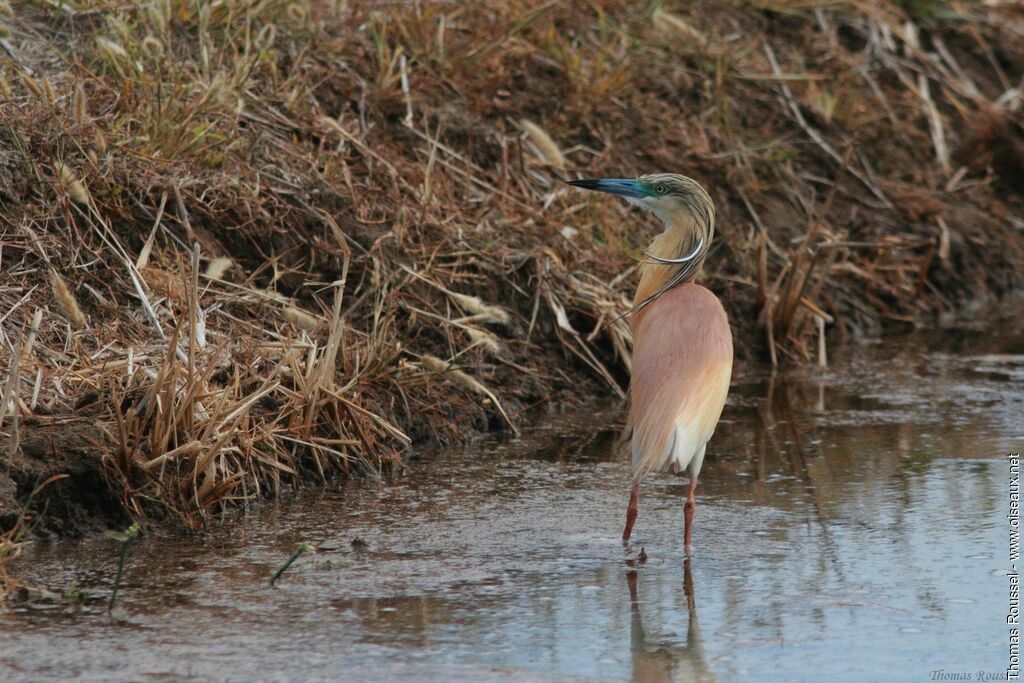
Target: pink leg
688,510
631,512
691,602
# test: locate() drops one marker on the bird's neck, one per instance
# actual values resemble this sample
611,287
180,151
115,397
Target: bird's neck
680,238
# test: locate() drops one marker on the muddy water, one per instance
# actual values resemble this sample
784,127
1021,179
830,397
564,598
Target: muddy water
851,526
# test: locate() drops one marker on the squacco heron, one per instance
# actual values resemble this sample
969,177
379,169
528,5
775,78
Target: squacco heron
682,345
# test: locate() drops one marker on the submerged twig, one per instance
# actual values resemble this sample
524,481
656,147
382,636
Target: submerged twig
303,549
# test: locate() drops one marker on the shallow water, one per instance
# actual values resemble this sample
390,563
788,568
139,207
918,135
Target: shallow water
851,525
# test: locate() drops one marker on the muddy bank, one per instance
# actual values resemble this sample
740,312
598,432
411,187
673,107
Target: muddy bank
82,501
247,247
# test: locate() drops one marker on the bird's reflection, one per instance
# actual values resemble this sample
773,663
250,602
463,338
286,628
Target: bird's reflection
658,658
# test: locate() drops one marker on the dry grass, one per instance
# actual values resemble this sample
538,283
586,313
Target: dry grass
275,240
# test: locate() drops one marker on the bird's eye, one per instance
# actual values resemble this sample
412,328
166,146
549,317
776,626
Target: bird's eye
660,189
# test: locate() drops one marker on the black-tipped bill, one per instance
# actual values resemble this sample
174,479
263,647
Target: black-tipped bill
623,187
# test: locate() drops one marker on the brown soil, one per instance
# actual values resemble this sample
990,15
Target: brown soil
80,502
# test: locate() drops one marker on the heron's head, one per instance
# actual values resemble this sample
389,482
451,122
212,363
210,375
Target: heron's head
667,195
